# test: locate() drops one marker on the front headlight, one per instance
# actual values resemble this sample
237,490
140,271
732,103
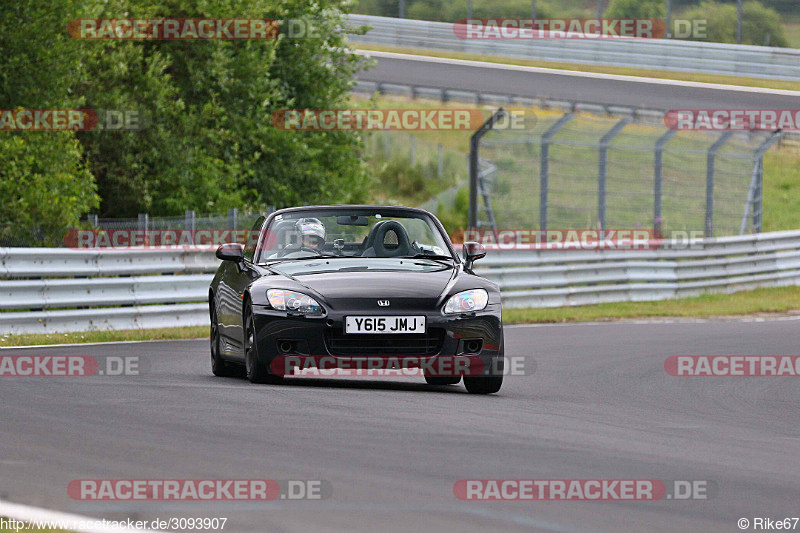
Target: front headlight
295,302
467,301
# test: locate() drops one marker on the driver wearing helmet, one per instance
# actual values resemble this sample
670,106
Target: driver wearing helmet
311,232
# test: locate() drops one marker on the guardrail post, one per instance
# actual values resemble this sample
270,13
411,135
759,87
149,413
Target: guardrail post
668,20
657,172
754,194
233,214
602,168
189,223
440,162
544,166
712,153
474,143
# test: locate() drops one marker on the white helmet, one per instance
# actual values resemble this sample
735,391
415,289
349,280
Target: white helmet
311,227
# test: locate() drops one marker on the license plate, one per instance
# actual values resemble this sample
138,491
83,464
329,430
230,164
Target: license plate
384,324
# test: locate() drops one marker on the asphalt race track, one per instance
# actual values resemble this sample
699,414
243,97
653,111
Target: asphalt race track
574,87
599,406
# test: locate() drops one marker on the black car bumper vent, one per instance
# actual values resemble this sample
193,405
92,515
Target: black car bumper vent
429,343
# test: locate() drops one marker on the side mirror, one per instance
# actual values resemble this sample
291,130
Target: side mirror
231,251
472,252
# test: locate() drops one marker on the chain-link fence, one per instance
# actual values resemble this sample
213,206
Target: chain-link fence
190,222
232,220
592,171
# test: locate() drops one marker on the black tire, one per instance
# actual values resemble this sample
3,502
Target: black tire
483,384
219,367
255,369
443,380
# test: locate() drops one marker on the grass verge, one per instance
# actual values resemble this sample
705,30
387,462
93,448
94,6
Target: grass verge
781,208
769,300
159,334
601,69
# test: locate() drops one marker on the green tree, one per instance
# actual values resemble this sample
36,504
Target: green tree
209,143
44,185
629,9
759,25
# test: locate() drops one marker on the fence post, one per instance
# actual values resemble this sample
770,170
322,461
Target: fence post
233,213
544,166
386,151
602,168
474,143
143,222
657,174
412,152
92,219
754,194
189,223
440,163
712,153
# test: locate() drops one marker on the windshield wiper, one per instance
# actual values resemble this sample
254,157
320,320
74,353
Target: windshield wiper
428,256
303,258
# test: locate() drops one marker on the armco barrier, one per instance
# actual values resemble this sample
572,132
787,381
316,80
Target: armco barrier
46,290
552,278
58,290
684,56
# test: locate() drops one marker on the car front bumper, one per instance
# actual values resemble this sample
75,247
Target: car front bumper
476,337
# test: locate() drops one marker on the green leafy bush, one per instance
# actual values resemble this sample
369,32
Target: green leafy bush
45,186
760,24
628,9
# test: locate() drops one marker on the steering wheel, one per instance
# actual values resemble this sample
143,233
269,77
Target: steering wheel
403,242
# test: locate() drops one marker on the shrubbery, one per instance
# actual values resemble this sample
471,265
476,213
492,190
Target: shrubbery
760,25
628,9
208,143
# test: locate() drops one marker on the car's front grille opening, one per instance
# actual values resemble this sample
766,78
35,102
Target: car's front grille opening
429,343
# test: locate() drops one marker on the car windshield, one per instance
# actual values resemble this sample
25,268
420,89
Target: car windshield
361,232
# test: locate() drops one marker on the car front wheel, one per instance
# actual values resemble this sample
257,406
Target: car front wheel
256,371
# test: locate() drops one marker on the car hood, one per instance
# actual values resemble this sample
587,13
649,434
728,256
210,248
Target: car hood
353,287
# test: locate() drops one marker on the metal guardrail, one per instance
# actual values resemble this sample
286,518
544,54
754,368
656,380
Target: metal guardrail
683,56
550,278
46,290
55,290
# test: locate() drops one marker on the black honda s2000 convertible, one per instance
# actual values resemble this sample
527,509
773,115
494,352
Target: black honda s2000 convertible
344,283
